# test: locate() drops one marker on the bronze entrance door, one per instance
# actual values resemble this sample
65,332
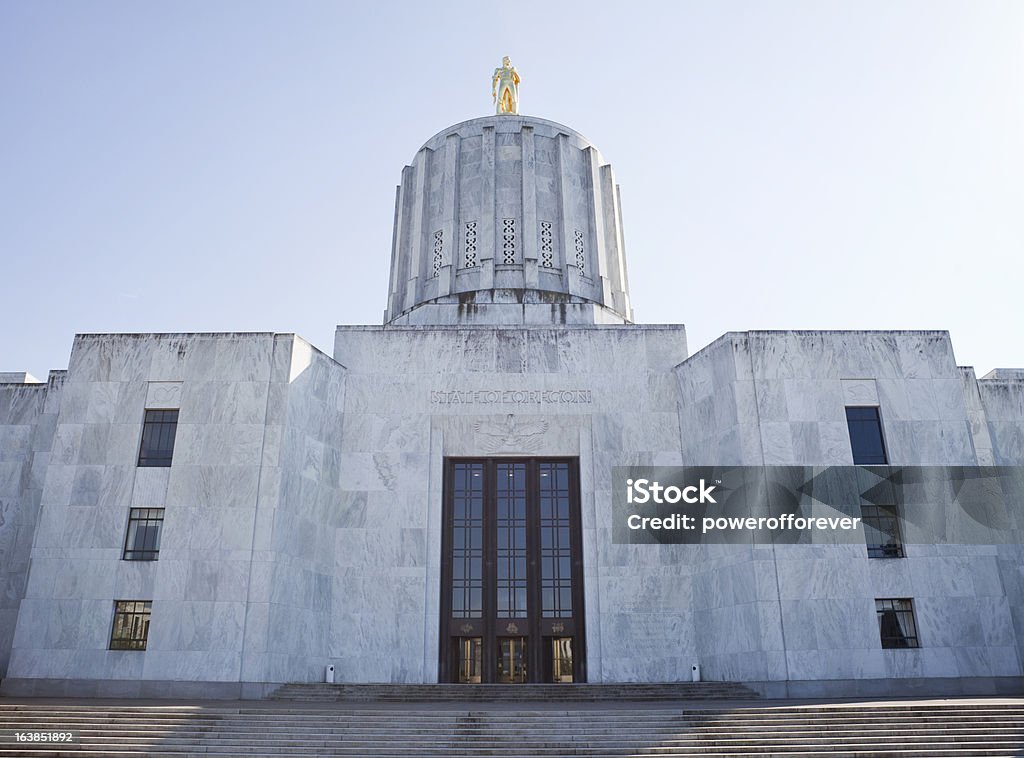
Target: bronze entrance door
511,572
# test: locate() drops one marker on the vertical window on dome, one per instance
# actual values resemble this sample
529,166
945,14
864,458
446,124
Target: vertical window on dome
158,430
508,240
547,248
866,436
470,244
438,252
581,259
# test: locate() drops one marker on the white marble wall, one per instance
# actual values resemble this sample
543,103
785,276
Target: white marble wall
292,590
1000,425
807,612
252,415
397,436
303,504
28,419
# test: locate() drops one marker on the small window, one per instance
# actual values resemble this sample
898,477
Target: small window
882,531
158,438
131,624
142,543
896,622
866,436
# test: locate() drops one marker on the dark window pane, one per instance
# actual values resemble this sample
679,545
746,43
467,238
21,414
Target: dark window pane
896,625
142,542
882,531
131,625
467,542
158,431
866,436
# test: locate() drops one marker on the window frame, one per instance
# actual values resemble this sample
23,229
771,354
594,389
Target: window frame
146,517
878,550
909,635
162,457
881,434
134,612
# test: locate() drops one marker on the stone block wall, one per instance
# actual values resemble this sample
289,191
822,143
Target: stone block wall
806,612
28,420
303,505
258,417
418,395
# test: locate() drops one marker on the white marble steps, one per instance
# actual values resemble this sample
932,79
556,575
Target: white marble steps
904,729
542,693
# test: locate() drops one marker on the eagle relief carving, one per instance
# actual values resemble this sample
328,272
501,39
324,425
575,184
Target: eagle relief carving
513,435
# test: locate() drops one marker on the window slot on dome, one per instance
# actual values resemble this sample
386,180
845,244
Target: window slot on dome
581,261
508,245
438,252
547,249
470,245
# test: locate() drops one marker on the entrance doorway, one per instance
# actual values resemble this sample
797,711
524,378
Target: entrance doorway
511,572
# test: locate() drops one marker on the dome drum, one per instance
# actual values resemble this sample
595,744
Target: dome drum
507,204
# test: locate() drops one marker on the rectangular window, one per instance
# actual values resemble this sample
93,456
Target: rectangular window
511,540
555,542
866,436
896,622
882,531
142,542
158,438
468,541
131,624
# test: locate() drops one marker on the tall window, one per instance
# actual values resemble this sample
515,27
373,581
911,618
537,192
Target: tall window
142,542
896,622
866,436
468,541
158,438
131,624
555,543
882,531
510,525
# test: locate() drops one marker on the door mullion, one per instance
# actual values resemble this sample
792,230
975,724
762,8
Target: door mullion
576,572
444,673
490,643
533,606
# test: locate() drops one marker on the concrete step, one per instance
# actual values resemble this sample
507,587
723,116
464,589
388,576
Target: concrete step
964,751
313,691
905,729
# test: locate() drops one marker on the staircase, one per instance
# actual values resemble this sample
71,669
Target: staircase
928,729
511,693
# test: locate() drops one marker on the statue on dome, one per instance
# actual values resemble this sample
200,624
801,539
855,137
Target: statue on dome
505,88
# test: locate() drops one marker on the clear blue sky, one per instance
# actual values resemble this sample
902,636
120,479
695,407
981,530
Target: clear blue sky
231,166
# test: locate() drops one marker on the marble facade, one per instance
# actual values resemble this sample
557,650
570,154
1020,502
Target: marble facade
303,504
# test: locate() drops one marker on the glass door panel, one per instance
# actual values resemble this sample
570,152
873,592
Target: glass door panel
512,666
469,654
558,666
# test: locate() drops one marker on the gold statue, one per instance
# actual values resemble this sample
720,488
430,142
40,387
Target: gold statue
505,88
